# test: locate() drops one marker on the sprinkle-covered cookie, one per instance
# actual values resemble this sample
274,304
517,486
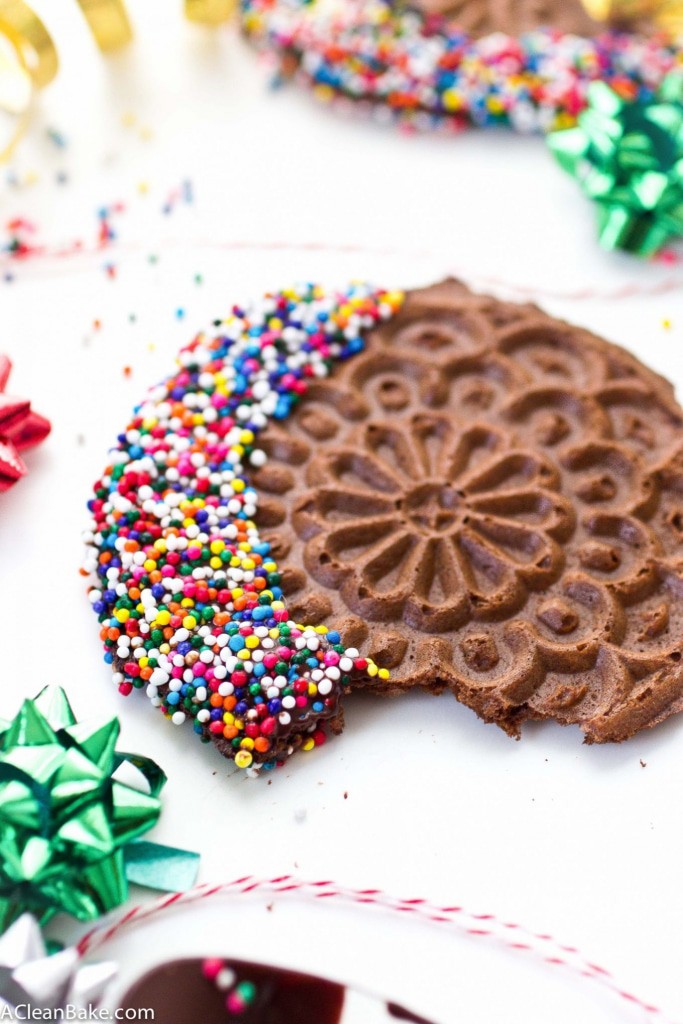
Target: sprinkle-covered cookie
450,64
188,594
450,492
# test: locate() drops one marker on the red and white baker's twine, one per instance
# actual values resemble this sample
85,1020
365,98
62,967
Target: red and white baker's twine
631,289
512,935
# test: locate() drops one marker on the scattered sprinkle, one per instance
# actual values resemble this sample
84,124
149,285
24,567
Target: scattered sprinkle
105,214
56,137
20,242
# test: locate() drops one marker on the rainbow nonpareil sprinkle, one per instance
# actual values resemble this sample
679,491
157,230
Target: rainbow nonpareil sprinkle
187,594
426,73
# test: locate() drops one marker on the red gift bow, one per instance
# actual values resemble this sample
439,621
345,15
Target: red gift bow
20,428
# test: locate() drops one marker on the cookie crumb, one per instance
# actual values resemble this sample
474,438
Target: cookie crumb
643,764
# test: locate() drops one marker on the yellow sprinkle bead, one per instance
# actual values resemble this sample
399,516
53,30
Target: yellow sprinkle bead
243,758
189,622
308,744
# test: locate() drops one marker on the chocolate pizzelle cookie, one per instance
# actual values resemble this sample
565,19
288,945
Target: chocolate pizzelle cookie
490,501
481,17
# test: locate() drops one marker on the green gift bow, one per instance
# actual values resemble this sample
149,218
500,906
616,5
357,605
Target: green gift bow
628,157
67,825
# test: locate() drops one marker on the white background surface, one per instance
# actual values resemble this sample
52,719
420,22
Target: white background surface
581,842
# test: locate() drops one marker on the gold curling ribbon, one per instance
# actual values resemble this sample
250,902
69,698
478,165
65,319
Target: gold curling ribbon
31,40
666,15
28,61
109,23
210,12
